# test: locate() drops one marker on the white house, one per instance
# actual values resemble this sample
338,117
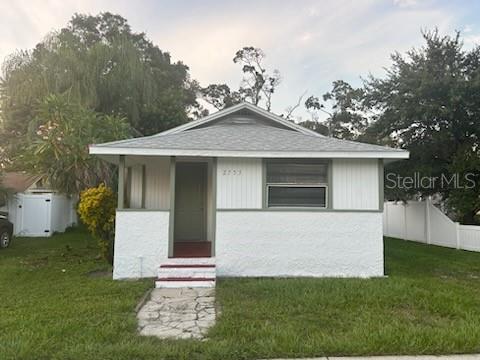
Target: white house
244,192
33,207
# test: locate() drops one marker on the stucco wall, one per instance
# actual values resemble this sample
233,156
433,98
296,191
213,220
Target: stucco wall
141,243
287,243
255,242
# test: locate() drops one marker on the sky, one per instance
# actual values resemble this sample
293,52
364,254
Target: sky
311,43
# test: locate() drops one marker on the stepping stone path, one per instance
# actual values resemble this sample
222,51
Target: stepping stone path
182,313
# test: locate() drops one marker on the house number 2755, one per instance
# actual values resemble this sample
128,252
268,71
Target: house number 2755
232,172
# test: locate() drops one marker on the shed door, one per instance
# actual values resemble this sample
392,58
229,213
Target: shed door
35,215
190,202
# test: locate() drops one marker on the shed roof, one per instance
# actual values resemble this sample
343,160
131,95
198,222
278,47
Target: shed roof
244,131
19,181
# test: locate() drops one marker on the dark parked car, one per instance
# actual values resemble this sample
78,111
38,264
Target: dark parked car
6,231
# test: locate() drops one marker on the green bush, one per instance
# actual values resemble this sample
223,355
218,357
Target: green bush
96,209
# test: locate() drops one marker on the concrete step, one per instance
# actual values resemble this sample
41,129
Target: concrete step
170,266
186,272
179,282
191,261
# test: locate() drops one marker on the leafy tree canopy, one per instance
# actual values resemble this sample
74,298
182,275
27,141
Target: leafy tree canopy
99,63
429,103
346,119
57,146
220,96
257,86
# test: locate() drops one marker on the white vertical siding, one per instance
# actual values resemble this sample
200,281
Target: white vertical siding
136,187
157,183
355,184
239,183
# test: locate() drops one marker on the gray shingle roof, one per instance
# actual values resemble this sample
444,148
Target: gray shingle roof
251,137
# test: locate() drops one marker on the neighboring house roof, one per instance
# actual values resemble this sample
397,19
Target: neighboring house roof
248,131
19,181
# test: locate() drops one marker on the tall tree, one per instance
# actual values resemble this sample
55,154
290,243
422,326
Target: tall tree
220,96
100,63
346,119
257,85
429,103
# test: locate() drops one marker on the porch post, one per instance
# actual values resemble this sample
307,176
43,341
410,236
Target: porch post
121,182
214,205
171,224
144,184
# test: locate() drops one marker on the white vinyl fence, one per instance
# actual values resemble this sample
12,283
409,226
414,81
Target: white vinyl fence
421,221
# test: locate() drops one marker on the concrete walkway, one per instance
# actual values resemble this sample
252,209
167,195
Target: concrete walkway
184,313
395,357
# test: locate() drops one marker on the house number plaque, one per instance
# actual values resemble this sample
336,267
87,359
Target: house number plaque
233,172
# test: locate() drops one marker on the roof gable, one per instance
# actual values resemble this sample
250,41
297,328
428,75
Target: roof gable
238,111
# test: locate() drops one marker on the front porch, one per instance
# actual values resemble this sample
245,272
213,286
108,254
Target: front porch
183,187
165,220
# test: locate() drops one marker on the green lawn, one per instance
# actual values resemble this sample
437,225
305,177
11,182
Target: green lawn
50,308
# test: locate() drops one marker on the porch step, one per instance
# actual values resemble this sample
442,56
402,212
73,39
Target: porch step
185,282
187,272
191,261
174,266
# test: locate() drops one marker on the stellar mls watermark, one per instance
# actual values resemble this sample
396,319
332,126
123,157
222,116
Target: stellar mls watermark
419,181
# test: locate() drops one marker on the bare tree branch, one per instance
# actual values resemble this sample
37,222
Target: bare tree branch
291,109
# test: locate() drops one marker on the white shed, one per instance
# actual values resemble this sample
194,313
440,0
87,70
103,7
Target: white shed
34,208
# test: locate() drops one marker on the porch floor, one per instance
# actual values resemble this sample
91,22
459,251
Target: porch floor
188,249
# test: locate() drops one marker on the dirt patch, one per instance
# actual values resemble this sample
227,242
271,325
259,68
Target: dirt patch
35,262
99,273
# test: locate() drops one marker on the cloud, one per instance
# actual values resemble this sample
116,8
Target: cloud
305,38
312,43
405,3
471,40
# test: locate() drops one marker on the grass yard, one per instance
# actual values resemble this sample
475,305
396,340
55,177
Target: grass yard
50,308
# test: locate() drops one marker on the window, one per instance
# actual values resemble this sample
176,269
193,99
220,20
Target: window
297,184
